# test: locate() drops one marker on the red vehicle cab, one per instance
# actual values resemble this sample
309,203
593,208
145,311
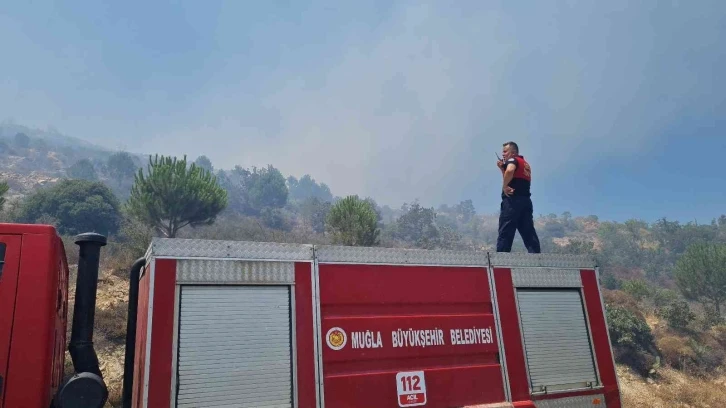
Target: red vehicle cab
33,314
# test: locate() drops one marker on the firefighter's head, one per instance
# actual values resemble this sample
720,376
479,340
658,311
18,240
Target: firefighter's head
509,150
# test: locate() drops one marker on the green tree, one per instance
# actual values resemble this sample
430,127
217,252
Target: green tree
418,226
136,235
173,195
4,187
611,282
76,206
466,210
353,222
314,212
121,166
233,182
637,288
22,140
307,187
265,188
205,163
82,170
701,274
678,314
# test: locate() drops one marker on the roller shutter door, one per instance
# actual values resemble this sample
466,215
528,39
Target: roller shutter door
556,339
234,347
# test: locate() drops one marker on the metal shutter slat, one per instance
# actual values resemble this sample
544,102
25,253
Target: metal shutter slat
235,347
556,339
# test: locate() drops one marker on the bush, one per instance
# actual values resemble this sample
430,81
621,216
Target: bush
22,140
610,281
82,170
136,236
623,300
627,329
664,297
709,353
275,219
74,207
637,288
632,339
676,351
678,315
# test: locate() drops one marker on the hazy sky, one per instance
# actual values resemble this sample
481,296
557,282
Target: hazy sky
619,106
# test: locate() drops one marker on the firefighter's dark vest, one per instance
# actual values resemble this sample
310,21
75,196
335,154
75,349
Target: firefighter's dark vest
522,176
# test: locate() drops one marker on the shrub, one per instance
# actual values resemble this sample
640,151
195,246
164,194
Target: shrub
610,281
719,334
631,338
676,351
82,170
678,314
709,353
275,219
74,207
627,329
664,297
637,288
623,300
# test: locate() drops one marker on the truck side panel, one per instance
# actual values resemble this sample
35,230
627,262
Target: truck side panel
142,319
511,333
380,322
8,287
162,333
601,338
305,335
547,344
34,333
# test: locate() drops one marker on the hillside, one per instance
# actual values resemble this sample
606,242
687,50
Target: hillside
667,345
35,158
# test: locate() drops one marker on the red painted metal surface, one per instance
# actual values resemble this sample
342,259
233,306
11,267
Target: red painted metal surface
61,316
598,328
511,335
142,320
162,333
305,335
8,286
40,316
23,229
515,354
378,321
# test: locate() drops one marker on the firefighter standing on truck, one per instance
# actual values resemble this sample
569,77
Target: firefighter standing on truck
516,212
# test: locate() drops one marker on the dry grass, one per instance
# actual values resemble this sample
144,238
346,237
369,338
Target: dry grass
672,389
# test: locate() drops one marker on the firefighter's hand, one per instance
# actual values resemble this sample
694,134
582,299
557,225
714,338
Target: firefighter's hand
500,164
508,191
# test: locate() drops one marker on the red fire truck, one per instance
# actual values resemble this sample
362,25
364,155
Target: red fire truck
252,324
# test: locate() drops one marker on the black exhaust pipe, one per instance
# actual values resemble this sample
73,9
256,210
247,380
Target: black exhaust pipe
131,332
81,345
86,388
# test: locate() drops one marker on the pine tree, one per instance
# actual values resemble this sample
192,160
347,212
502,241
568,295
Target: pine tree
353,222
701,274
171,196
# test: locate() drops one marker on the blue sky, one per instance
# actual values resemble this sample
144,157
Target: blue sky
619,106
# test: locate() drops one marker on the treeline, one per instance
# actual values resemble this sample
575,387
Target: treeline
666,270
115,196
